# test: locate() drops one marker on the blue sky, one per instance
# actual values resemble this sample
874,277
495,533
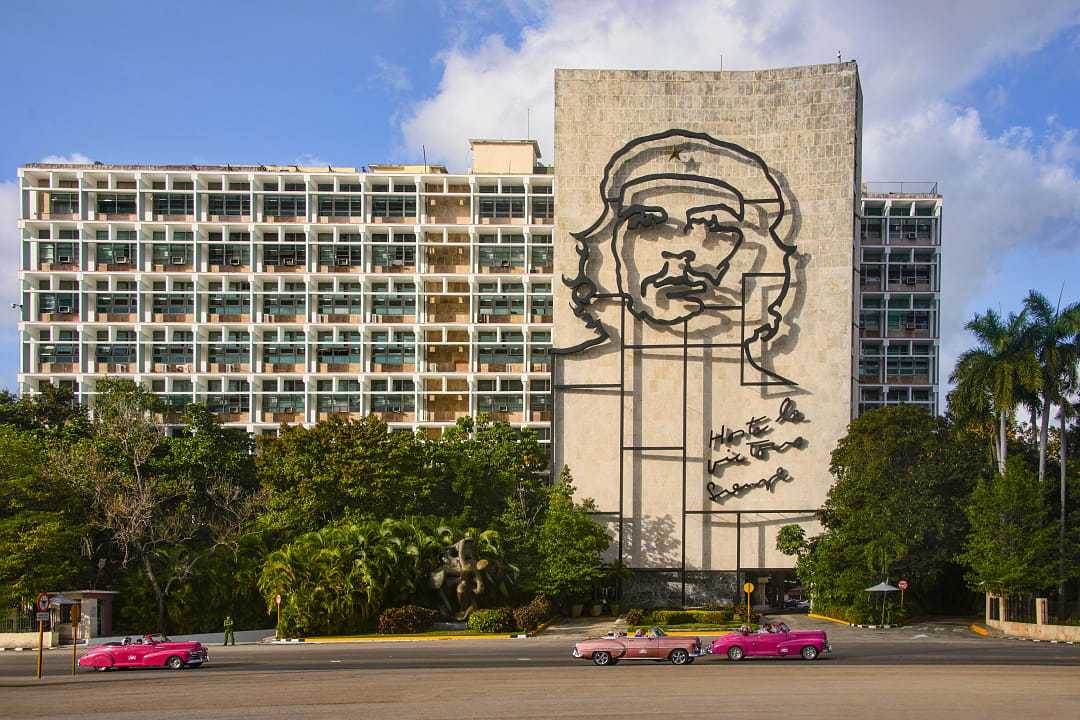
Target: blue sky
983,97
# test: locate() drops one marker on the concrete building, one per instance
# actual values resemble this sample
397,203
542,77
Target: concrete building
706,345
900,286
292,294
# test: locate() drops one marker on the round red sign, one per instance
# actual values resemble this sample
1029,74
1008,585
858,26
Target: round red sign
903,585
42,602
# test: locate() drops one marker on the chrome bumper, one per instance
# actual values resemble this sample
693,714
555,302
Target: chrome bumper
575,653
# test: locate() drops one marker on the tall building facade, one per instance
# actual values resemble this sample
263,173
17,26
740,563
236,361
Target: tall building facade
899,295
293,294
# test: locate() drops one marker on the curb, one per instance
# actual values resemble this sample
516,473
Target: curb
542,627
978,629
403,638
830,619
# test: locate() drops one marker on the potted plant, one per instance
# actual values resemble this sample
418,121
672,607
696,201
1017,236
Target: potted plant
576,609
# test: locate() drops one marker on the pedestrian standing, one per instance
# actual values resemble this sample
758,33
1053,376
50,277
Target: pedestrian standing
229,630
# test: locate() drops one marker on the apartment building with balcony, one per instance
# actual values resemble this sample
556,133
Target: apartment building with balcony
285,294
899,295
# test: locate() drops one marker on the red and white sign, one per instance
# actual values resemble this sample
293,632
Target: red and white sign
42,602
903,585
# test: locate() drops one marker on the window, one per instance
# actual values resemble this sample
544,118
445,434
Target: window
284,304
392,206
64,203
285,205
285,255
116,204
502,208
393,255
398,348
341,205
400,301
505,257
230,205
174,204
543,209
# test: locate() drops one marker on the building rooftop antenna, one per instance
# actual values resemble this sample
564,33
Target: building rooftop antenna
838,57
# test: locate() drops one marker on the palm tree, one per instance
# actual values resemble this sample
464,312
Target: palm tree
1051,334
991,378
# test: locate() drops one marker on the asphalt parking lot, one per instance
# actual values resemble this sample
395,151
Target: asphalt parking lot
941,669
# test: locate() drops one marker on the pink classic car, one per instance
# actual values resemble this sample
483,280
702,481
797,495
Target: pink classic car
651,645
148,651
772,640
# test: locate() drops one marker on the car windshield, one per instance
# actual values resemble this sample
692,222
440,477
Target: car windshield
657,632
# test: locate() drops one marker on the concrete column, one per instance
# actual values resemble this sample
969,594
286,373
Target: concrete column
1041,611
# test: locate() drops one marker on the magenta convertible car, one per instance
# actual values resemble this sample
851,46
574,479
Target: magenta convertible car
772,640
148,651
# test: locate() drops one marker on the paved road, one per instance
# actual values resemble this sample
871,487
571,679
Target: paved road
938,669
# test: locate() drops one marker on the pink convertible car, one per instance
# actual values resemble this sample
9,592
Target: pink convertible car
773,640
654,645
148,651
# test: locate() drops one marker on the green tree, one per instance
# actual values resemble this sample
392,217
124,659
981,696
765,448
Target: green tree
161,519
570,545
1010,549
43,529
895,509
992,377
345,468
1052,334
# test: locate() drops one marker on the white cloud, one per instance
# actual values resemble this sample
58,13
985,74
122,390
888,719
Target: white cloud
72,159
1001,192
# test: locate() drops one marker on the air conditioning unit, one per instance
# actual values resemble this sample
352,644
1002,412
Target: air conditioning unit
909,326
123,368
288,261
324,318
120,260
176,260
397,263
231,367
63,310
503,408
234,261
911,236
63,259
341,262
233,409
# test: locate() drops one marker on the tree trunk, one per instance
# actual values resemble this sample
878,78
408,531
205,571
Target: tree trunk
1002,448
1062,456
1044,437
157,593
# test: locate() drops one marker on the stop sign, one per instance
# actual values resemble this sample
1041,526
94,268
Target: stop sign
903,585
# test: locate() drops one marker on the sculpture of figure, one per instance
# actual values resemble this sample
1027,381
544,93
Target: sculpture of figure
460,579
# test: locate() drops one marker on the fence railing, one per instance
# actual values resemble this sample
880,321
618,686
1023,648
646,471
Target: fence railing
921,187
17,622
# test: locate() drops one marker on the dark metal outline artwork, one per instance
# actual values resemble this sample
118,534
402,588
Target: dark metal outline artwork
584,292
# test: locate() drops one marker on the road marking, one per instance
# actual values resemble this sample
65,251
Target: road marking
920,635
335,661
526,659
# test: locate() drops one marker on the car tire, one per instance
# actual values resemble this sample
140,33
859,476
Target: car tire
602,658
174,663
809,653
101,668
735,653
679,656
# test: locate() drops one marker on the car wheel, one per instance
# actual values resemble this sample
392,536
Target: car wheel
601,658
735,653
102,668
809,652
174,663
679,657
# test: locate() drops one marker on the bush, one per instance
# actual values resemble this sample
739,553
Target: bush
688,617
634,616
531,616
407,619
740,615
492,621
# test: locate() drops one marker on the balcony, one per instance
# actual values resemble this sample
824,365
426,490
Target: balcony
58,367
348,367
228,367
228,318
169,367
174,317
448,260
284,418
60,315
395,416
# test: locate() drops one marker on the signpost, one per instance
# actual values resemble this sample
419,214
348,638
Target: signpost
42,605
748,588
903,585
74,638
277,602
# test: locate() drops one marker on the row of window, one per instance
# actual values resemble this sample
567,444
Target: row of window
382,206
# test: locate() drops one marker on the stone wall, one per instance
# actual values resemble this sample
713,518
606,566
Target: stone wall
804,125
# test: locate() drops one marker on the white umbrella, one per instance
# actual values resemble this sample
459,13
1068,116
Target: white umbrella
883,587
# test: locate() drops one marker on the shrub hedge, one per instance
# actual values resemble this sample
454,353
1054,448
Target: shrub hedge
531,616
406,619
492,621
